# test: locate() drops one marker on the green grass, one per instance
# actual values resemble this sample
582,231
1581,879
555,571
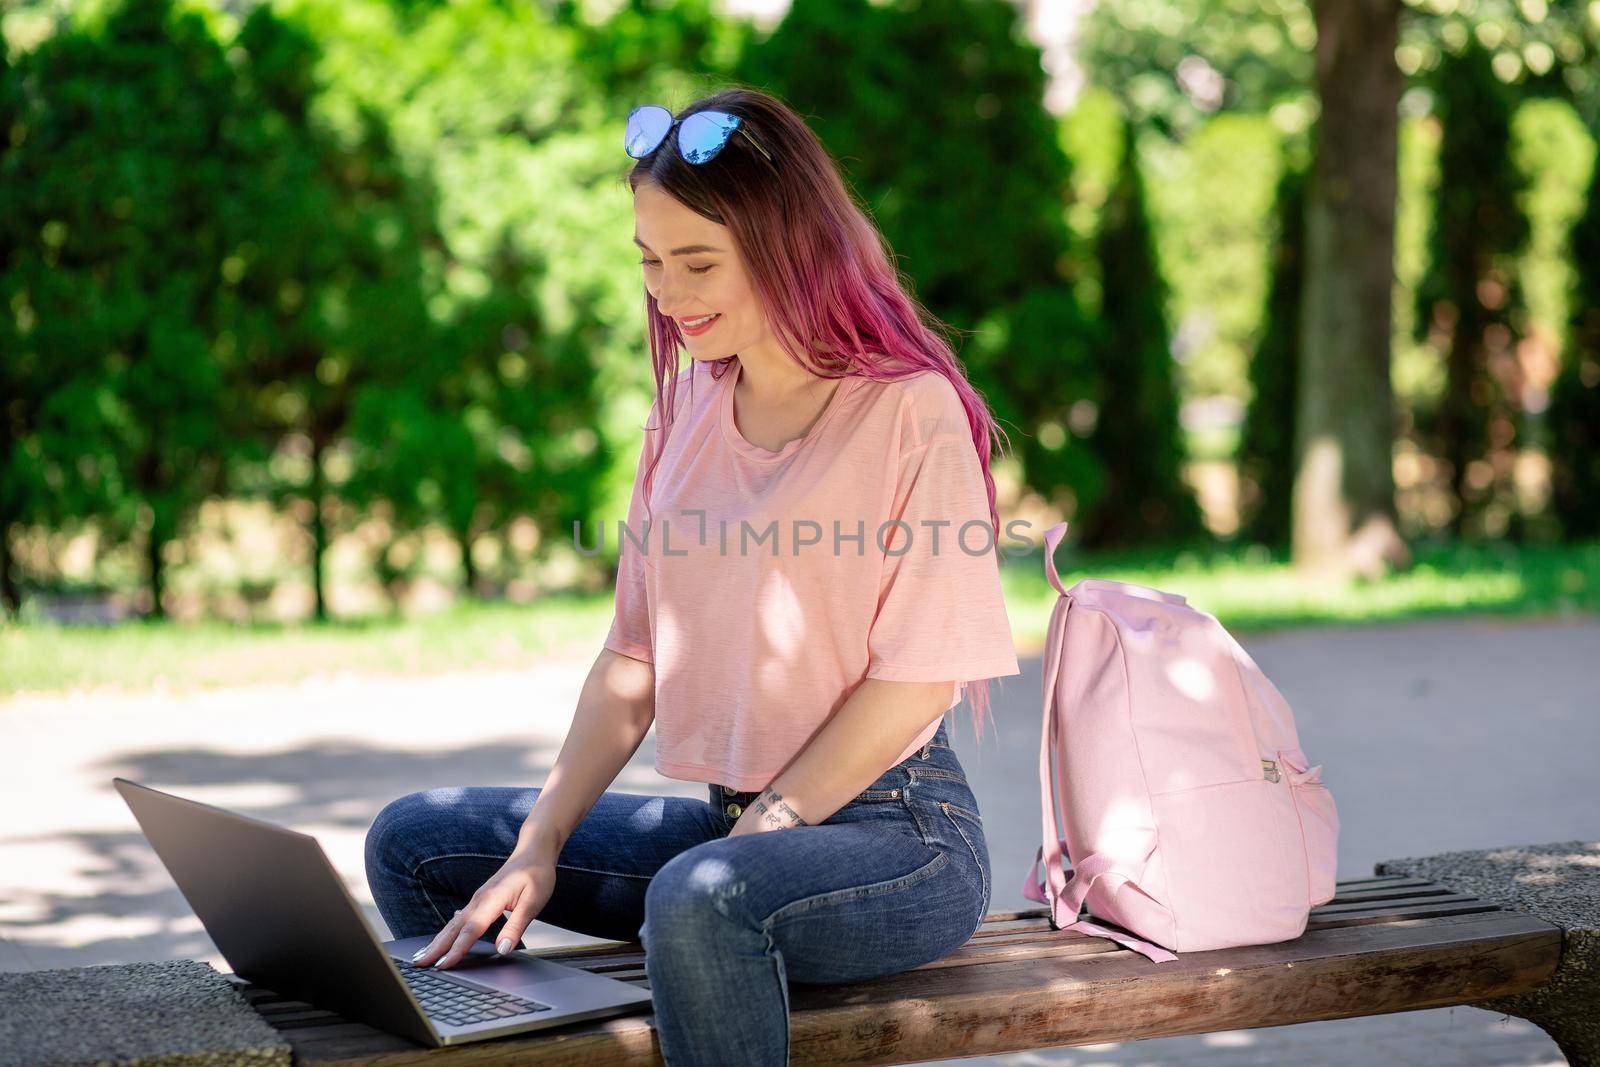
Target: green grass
1252,590
42,657
1248,589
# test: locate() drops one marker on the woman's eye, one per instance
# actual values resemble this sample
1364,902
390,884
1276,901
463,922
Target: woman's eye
692,270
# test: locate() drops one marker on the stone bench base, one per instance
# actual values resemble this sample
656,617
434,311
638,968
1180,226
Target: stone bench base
1558,882
181,1013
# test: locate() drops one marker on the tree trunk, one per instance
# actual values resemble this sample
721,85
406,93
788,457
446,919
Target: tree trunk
153,563
1454,421
468,567
10,593
319,531
1344,511
150,484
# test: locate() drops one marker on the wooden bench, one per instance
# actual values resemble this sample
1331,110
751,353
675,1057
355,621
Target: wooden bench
1383,944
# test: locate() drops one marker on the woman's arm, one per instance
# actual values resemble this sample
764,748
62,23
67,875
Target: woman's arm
848,754
614,713
615,710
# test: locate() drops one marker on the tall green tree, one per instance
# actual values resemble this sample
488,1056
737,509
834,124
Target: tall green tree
121,166
1266,447
942,133
535,296
1469,302
22,389
1573,418
331,291
1136,435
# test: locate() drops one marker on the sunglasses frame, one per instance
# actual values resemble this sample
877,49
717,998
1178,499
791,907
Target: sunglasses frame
735,126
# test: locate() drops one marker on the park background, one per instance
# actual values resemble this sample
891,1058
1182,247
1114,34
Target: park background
322,358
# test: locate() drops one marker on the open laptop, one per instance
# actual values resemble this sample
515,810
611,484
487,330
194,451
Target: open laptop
283,919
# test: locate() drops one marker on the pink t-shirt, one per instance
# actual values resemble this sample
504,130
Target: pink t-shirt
758,582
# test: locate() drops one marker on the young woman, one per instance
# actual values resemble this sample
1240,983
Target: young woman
808,579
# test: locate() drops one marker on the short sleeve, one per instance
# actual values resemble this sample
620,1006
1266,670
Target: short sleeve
630,624
941,614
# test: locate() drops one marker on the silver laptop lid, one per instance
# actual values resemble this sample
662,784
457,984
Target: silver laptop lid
277,910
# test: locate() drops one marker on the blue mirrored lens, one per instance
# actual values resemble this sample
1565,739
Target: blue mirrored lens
647,127
702,135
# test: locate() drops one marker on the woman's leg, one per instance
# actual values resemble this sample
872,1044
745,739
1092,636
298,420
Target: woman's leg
429,851
893,880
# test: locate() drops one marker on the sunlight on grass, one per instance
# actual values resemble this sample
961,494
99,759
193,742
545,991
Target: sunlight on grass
1251,591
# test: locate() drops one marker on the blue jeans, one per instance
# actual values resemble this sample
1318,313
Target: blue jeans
898,877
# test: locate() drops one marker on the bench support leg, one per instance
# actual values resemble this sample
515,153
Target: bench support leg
1568,1006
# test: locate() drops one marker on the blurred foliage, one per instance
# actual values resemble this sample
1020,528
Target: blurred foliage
1211,205
1544,47
368,262
1180,61
1177,62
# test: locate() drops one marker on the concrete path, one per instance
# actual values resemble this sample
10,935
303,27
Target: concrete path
1434,736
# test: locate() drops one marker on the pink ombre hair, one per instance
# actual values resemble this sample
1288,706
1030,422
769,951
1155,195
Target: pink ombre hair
819,267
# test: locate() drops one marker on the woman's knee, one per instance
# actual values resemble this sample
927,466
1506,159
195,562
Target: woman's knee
384,831
399,824
693,890
409,827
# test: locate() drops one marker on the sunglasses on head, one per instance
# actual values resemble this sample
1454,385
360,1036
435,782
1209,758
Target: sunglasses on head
700,135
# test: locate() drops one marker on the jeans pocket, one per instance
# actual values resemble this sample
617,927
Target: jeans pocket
942,784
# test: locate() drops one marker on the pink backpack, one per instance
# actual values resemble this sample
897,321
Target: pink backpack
1191,816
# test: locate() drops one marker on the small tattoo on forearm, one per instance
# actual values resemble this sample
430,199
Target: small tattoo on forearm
772,810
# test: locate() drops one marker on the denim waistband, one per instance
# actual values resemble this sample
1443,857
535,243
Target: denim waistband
724,794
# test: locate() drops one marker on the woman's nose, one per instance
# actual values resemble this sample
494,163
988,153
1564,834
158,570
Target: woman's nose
667,304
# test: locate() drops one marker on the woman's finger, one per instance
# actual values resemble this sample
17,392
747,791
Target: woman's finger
510,935
431,951
474,921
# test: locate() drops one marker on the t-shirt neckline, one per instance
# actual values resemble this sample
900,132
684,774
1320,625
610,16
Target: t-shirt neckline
736,440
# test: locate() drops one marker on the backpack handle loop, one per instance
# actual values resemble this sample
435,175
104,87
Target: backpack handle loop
1052,538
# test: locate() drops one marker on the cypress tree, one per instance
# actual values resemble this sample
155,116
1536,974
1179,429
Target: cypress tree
1469,300
943,134
1136,435
1574,414
1266,447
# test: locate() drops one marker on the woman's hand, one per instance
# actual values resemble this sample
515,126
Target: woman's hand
519,890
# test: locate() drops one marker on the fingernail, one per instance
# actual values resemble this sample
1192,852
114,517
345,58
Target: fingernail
504,946
417,955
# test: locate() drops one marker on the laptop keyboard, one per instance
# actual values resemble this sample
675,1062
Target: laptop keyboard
457,1003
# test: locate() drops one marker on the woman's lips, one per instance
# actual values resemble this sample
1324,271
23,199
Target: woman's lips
695,331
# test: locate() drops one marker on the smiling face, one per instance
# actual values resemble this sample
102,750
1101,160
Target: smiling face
692,269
